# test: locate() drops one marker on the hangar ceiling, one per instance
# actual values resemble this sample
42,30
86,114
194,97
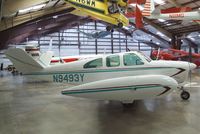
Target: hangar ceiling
21,19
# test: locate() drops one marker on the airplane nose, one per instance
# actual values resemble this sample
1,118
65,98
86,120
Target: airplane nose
192,66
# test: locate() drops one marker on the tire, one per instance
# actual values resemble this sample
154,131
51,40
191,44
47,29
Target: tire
185,95
120,25
108,28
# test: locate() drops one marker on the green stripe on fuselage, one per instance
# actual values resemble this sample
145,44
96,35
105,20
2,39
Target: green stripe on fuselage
99,70
108,90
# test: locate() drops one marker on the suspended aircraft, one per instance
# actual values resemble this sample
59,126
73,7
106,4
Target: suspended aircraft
96,34
123,77
182,13
105,10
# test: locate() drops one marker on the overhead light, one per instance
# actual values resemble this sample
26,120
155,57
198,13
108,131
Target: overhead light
168,24
25,10
159,33
199,35
161,20
37,7
158,43
55,16
160,2
39,28
192,39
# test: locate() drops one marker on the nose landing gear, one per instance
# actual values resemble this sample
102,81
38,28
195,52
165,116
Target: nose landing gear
185,95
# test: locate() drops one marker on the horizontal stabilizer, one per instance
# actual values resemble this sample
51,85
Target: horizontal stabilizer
22,61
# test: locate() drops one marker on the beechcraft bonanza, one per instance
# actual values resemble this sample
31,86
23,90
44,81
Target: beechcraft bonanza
123,77
105,10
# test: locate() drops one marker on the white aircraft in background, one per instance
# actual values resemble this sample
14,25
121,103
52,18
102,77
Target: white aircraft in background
123,77
150,12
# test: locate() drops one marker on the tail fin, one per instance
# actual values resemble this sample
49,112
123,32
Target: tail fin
24,62
149,7
138,18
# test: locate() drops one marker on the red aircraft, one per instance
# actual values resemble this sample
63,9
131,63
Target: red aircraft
174,54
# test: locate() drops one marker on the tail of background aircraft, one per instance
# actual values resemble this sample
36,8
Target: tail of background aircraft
26,63
149,7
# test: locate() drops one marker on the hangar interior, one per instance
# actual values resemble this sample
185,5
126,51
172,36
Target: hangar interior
39,107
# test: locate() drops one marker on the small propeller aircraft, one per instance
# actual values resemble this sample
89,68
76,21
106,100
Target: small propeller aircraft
123,77
149,11
105,10
96,34
174,54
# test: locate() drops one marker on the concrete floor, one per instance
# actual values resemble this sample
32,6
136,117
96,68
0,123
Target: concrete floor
39,108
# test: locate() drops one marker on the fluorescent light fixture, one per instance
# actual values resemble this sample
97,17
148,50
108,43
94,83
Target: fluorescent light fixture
55,16
160,2
39,28
25,10
168,24
37,7
192,39
161,20
158,43
199,35
161,34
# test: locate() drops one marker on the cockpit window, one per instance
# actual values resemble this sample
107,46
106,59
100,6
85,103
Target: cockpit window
94,63
112,61
131,59
146,57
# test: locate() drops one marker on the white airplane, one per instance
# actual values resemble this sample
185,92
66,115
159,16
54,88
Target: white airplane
123,77
150,12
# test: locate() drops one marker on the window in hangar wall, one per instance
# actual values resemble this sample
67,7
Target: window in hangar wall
66,42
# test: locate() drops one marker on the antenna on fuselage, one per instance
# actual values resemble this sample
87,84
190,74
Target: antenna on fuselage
128,50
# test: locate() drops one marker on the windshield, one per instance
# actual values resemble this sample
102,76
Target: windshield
146,57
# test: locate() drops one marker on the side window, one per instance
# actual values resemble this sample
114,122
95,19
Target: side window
131,59
94,63
112,61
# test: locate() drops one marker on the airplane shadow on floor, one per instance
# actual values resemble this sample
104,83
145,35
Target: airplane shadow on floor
144,116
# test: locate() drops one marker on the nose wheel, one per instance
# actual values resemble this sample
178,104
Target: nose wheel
185,95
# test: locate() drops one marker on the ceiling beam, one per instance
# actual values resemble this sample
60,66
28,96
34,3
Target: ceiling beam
153,34
189,2
175,3
1,9
186,29
162,30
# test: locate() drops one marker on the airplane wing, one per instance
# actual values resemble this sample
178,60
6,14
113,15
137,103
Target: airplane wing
124,89
87,34
103,34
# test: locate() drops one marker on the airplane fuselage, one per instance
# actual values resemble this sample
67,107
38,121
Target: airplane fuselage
80,75
190,16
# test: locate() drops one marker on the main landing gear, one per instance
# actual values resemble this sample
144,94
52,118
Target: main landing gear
185,95
111,28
